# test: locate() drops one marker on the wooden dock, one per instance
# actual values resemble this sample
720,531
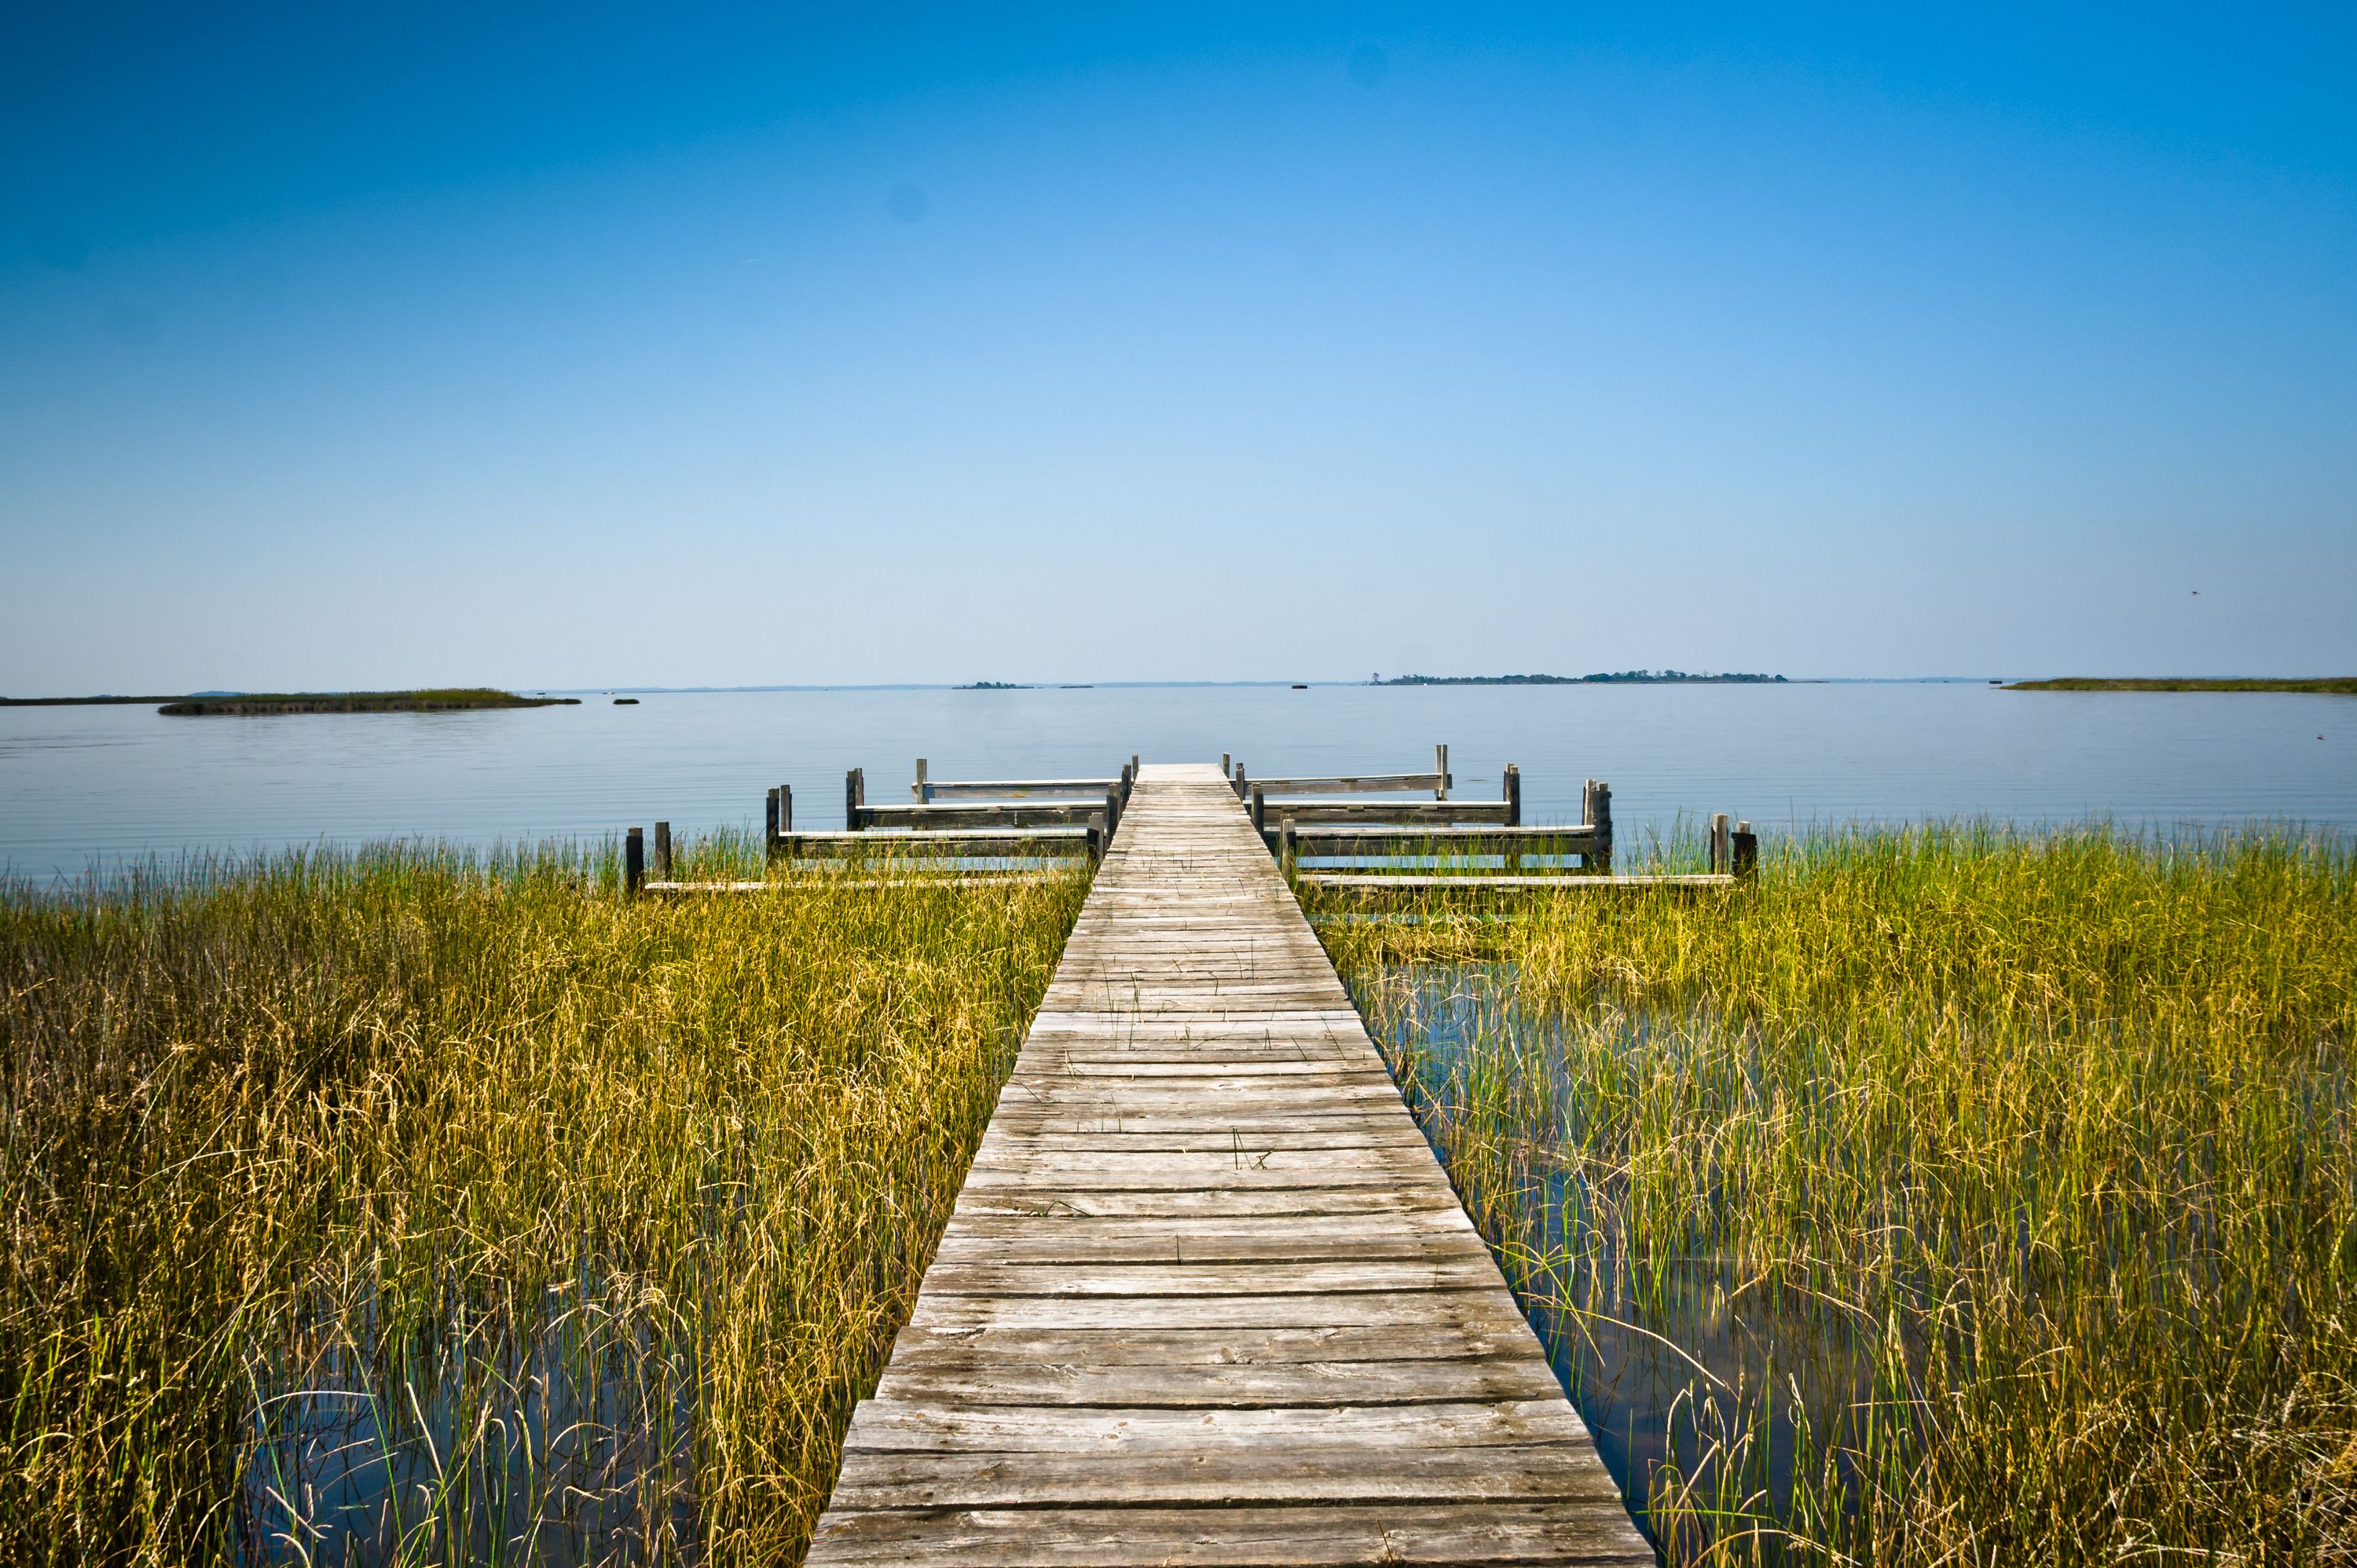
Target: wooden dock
1206,1297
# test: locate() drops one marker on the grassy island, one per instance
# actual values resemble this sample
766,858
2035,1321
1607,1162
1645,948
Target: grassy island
2334,685
443,700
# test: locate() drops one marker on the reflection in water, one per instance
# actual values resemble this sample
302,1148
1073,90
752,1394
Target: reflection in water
562,1432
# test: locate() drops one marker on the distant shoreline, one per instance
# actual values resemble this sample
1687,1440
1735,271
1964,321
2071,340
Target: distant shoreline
248,705
1612,678
2331,685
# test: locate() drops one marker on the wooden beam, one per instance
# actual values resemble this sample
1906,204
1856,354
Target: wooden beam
966,842
1383,881
1014,789
980,814
1308,812
1444,840
1361,784
920,878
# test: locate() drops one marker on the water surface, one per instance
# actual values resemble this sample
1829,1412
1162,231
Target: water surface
81,786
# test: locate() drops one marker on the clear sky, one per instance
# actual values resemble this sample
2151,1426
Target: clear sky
373,346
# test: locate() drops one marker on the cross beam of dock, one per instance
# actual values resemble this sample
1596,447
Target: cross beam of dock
1206,1297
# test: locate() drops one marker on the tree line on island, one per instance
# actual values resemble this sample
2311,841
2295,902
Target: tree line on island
1612,677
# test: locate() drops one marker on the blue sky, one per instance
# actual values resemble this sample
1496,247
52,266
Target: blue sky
380,347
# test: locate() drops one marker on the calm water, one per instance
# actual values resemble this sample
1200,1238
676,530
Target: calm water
83,786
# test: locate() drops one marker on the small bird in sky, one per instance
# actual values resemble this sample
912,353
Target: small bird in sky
2197,593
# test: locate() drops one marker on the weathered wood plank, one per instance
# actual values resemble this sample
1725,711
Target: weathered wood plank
1357,1532
981,815
1441,840
1150,1313
1418,812
1454,1340
1475,882
1504,1473
1370,783
1011,789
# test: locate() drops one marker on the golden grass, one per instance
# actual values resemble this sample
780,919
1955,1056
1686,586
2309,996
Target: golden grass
2004,1187
510,1218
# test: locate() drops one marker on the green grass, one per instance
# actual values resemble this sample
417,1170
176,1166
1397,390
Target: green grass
2337,685
1997,1194
580,1222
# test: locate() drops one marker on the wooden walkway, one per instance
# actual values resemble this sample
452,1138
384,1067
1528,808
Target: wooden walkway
1207,1296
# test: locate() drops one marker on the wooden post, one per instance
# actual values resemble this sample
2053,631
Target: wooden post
854,794
1599,812
1133,762
1718,846
1440,765
662,852
921,796
1259,810
1112,811
1514,816
1289,845
770,822
1240,780
1227,766
785,808
1096,835
1747,852
634,863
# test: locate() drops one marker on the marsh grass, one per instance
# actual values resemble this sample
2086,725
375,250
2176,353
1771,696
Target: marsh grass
1950,1196
400,1205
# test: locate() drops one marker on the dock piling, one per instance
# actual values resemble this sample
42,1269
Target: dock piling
634,863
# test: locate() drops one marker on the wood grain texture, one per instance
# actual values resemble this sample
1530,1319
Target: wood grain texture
1207,1296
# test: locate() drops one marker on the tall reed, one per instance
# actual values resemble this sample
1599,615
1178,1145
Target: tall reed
404,1205
1951,1196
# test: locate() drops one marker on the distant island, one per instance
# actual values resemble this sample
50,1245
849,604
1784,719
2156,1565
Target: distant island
248,705
2335,685
995,686
1618,676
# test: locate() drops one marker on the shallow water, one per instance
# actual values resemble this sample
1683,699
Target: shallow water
1668,1358
463,1440
83,786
